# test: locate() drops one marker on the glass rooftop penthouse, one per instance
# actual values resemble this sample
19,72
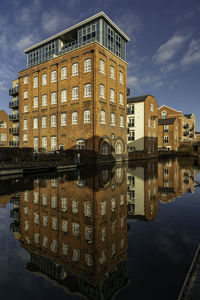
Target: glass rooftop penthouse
98,28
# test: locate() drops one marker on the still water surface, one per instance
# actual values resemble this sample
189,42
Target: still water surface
127,232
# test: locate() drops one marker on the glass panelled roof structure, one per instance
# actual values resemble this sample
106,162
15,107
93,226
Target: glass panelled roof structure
98,28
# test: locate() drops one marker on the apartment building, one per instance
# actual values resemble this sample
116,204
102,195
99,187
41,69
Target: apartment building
14,117
186,123
142,124
5,123
72,95
76,231
168,134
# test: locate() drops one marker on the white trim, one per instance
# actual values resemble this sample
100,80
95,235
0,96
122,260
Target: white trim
170,108
92,18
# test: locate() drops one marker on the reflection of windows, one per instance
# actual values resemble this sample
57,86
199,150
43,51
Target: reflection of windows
166,172
88,260
64,226
36,197
54,201
76,255
44,199
37,238
75,229
45,221
122,222
54,223
122,200
166,182
103,208
88,234
74,207
64,204
113,204
113,227
87,209
103,234
54,246
102,258
36,218
65,249
45,242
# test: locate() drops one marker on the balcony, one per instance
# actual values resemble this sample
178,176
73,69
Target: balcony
14,143
131,125
14,130
14,91
14,117
186,126
14,104
130,111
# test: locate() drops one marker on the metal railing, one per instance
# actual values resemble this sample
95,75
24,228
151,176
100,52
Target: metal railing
14,91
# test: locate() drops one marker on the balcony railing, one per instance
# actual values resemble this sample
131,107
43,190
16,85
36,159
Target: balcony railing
13,143
14,130
14,117
14,91
130,111
131,125
13,104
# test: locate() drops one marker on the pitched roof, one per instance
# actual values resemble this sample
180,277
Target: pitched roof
166,121
188,116
137,98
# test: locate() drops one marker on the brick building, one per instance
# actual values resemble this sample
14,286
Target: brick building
5,123
186,123
78,225
142,124
168,133
73,92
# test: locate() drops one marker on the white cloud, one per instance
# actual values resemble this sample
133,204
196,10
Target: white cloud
25,41
169,49
130,23
192,56
168,68
52,20
133,82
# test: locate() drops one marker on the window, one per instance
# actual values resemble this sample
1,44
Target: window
88,234
75,93
131,122
25,124
121,101
87,65
75,229
131,136
102,94
35,123
63,73
35,102
121,77
44,100
25,108
53,143
64,225
76,255
53,98
45,242
44,79
25,95
119,148
112,95
87,116
149,122
54,223
25,137
3,124
89,260
75,117
154,123
75,69
112,121
53,121
105,148
87,209
25,80
35,143
103,208
151,107
121,121
102,116
88,90
54,246
101,66
164,114
53,76
63,95
44,122
166,139
37,238
54,201
35,82
112,72
149,135
64,204
80,144
166,128
44,142
131,109
63,119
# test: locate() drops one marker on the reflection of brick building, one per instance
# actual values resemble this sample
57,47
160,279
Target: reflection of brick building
142,187
174,180
5,123
142,124
186,123
73,92
78,228
168,133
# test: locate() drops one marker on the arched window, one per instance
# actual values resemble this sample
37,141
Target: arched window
119,148
105,148
164,114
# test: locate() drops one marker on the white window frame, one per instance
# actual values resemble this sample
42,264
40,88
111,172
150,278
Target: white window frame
25,123
44,79
80,144
102,66
53,76
102,117
35,82
25,94
102,91
112,72
87,65
112,95
75,117
64,95
121,121
35,144
87,116
53,98
53,143
25,137
44,122
35,123
35,102
121,100
44,100
121,77
112,119
44,142
74,69
25,108
75,93
25,79
63,119
53,121
63,73
87,90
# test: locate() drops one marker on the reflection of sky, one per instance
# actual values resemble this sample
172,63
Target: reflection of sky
160,252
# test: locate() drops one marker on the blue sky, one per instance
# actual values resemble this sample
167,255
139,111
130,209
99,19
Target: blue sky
163,55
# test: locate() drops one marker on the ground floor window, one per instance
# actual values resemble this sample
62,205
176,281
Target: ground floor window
53,143
119,148
105,148
80,144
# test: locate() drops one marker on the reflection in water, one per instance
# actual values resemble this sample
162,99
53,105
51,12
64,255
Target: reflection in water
75,231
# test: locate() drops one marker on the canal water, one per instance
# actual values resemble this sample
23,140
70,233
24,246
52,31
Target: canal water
116,232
